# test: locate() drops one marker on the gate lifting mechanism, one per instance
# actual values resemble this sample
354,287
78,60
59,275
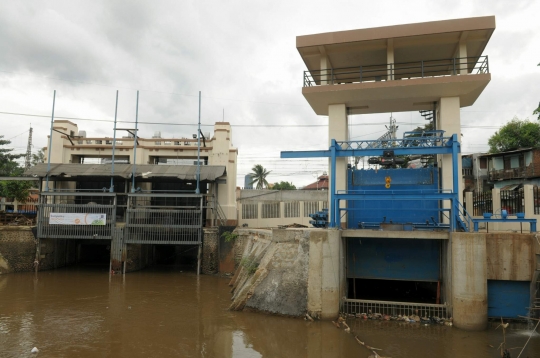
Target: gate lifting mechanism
412,143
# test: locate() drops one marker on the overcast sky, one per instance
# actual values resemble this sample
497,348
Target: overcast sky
242,56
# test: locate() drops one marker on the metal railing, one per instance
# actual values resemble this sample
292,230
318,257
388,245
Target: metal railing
222,218
512,201
528,171
482,203
164,219
396,71
464,218
536,197
354,306
78,207
425,139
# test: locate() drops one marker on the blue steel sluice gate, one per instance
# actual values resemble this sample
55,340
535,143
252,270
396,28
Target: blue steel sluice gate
402,218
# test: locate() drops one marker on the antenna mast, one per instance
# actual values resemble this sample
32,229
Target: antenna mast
28,160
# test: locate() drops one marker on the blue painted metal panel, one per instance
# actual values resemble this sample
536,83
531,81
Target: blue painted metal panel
393,259
406,181
508,299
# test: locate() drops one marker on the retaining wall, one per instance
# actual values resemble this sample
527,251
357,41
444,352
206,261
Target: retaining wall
17,249
283,272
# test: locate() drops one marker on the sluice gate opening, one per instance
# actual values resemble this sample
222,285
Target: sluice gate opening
183,257
76,215
165,219
393,273
152,228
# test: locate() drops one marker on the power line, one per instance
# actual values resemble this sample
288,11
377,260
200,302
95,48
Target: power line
190,124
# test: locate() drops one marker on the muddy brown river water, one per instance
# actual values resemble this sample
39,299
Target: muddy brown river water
79,312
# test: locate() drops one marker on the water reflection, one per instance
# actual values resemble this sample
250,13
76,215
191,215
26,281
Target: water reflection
79,312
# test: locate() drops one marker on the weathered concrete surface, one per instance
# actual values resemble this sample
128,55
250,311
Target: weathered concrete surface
138,256
510,256
55,253
325,274
378,234
226,250
295,271
17,249
469,281
210,251
272,275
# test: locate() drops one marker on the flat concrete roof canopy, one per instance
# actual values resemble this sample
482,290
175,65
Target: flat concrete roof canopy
410,43
181,172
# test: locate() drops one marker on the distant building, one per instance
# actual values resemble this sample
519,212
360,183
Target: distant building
248,181
320,184
72,146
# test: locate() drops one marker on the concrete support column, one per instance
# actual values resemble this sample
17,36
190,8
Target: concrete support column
496,203
469,281
449,120
325,72
469,203
528,205
324,278
338,130
390,59
240,213
463,55
301,203
259,213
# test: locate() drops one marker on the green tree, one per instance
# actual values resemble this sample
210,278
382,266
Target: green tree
284,185
537,111
514,135
38,157
15,189
259,174
8,165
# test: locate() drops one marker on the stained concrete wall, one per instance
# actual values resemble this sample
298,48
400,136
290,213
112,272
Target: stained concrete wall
510,256
290,272
272,275
469,281
209,263
55,253
326,275
17,249
138,257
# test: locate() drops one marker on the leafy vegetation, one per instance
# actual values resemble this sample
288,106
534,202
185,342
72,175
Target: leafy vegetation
284,185
38,157
514,135
250,265
259,174
8,165
229,236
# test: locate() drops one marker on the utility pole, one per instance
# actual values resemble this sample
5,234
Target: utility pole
28,160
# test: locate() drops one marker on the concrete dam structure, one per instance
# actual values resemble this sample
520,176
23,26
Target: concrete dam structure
389,239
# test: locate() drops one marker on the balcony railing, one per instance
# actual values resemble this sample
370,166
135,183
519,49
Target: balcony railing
396,71
529,171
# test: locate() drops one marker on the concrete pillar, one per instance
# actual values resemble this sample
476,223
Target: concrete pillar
390,59
528,205
496,203
449,120
325,73
330,287
469,203
469,281
259,213
462,54
338,130
324,279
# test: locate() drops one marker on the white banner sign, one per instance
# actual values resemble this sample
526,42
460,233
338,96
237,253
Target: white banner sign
77,219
